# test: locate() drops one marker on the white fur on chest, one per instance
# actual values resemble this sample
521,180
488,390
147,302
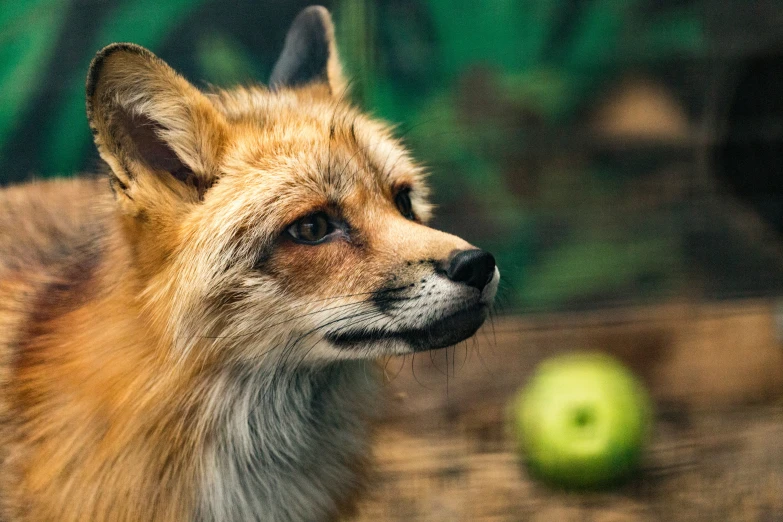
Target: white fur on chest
286,445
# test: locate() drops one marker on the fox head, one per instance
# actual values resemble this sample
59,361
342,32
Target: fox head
277,222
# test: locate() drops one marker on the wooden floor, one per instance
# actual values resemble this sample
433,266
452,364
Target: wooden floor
715,371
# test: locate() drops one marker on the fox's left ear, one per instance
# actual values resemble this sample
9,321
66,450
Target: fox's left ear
160,135
309,55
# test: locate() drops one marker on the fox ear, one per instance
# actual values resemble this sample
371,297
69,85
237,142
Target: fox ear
151,126
309,54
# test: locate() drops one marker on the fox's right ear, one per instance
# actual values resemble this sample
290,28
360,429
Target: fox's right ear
160,135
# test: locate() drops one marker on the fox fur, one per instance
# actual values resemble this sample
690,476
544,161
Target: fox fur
167,351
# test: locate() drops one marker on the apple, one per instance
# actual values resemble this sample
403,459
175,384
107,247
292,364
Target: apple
582,421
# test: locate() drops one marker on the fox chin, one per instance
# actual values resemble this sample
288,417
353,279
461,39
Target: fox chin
194,340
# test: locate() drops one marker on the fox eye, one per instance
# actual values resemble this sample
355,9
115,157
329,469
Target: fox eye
311,229
403,202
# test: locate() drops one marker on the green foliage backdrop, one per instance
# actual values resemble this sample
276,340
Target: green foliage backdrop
492,96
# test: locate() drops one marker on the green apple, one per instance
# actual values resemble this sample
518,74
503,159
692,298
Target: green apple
582,421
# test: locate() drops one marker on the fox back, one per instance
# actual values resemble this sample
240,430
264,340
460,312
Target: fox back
191,334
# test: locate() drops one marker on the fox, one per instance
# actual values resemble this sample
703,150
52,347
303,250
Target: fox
193,334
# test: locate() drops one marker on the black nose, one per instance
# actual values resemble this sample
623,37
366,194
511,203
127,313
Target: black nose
472,267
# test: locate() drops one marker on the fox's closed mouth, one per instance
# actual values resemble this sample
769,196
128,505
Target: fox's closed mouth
441,333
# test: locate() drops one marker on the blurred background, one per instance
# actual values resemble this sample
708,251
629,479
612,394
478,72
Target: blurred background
621,158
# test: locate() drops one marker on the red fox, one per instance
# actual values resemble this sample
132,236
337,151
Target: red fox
194,340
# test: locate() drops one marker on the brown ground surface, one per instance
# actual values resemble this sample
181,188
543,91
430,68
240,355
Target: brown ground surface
715,371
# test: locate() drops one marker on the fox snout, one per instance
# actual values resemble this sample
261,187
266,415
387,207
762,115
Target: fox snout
429,304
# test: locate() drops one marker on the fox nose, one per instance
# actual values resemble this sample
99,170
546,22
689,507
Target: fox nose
472,267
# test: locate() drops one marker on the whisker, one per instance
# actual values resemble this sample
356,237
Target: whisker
288,349
329,323
307,352
337,307
465,359
447,374
387,360
434,364
399,370
374,315
396,320
481,359
413,371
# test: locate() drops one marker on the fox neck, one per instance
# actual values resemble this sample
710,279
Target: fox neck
286,445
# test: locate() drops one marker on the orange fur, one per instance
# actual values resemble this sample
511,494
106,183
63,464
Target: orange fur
132,327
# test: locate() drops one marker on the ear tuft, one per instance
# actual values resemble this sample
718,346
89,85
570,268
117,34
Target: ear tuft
309,53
